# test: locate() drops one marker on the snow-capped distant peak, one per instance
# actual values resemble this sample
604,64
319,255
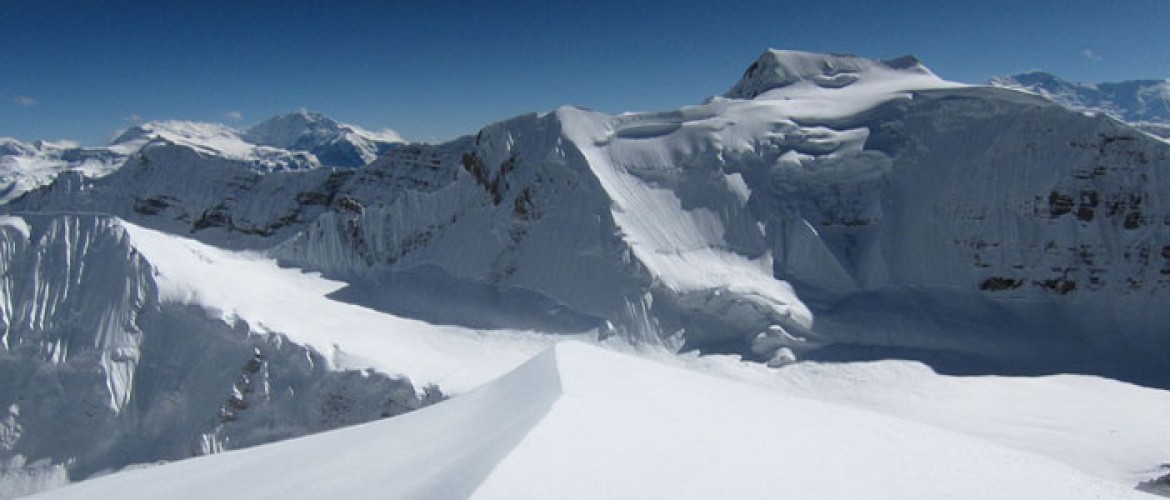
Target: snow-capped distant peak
333,142
288,130
176,131
211,139
790,73
1143,103
292,129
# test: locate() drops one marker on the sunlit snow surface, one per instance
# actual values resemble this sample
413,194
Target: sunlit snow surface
580,422
251,288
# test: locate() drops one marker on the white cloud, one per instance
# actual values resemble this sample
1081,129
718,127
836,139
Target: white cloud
234,116
134,118
1090,55
24,101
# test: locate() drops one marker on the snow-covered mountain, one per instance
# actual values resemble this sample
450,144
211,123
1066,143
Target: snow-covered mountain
24,167
333,143
295,141
213,140
1143,103
827,207
786,224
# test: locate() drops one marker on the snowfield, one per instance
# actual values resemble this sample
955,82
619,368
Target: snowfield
579,422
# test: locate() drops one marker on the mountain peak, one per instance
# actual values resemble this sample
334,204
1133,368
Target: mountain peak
333,142
792,70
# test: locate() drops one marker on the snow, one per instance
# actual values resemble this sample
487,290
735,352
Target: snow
25,167
825,200
580,422
211,139
1143,103
334,143
823,78
1057,416
294,303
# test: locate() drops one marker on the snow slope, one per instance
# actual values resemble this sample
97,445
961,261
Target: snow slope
580,422
122,345
1058,416
296,304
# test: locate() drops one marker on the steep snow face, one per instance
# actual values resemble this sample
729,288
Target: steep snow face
335,144
100,367
787,74
58,309
576,413
1144,103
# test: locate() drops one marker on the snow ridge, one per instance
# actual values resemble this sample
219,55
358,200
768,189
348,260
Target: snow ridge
575,413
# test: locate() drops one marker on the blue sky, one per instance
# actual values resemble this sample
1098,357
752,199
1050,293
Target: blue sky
438,69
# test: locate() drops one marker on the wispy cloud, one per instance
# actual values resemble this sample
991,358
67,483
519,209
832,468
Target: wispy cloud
234,116
133,118
1090,55
24,101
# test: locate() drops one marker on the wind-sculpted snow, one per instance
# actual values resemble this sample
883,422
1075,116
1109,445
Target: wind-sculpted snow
788,74
100,368
579,422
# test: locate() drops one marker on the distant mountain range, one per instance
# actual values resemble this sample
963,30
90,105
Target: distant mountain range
292,141
1143,103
